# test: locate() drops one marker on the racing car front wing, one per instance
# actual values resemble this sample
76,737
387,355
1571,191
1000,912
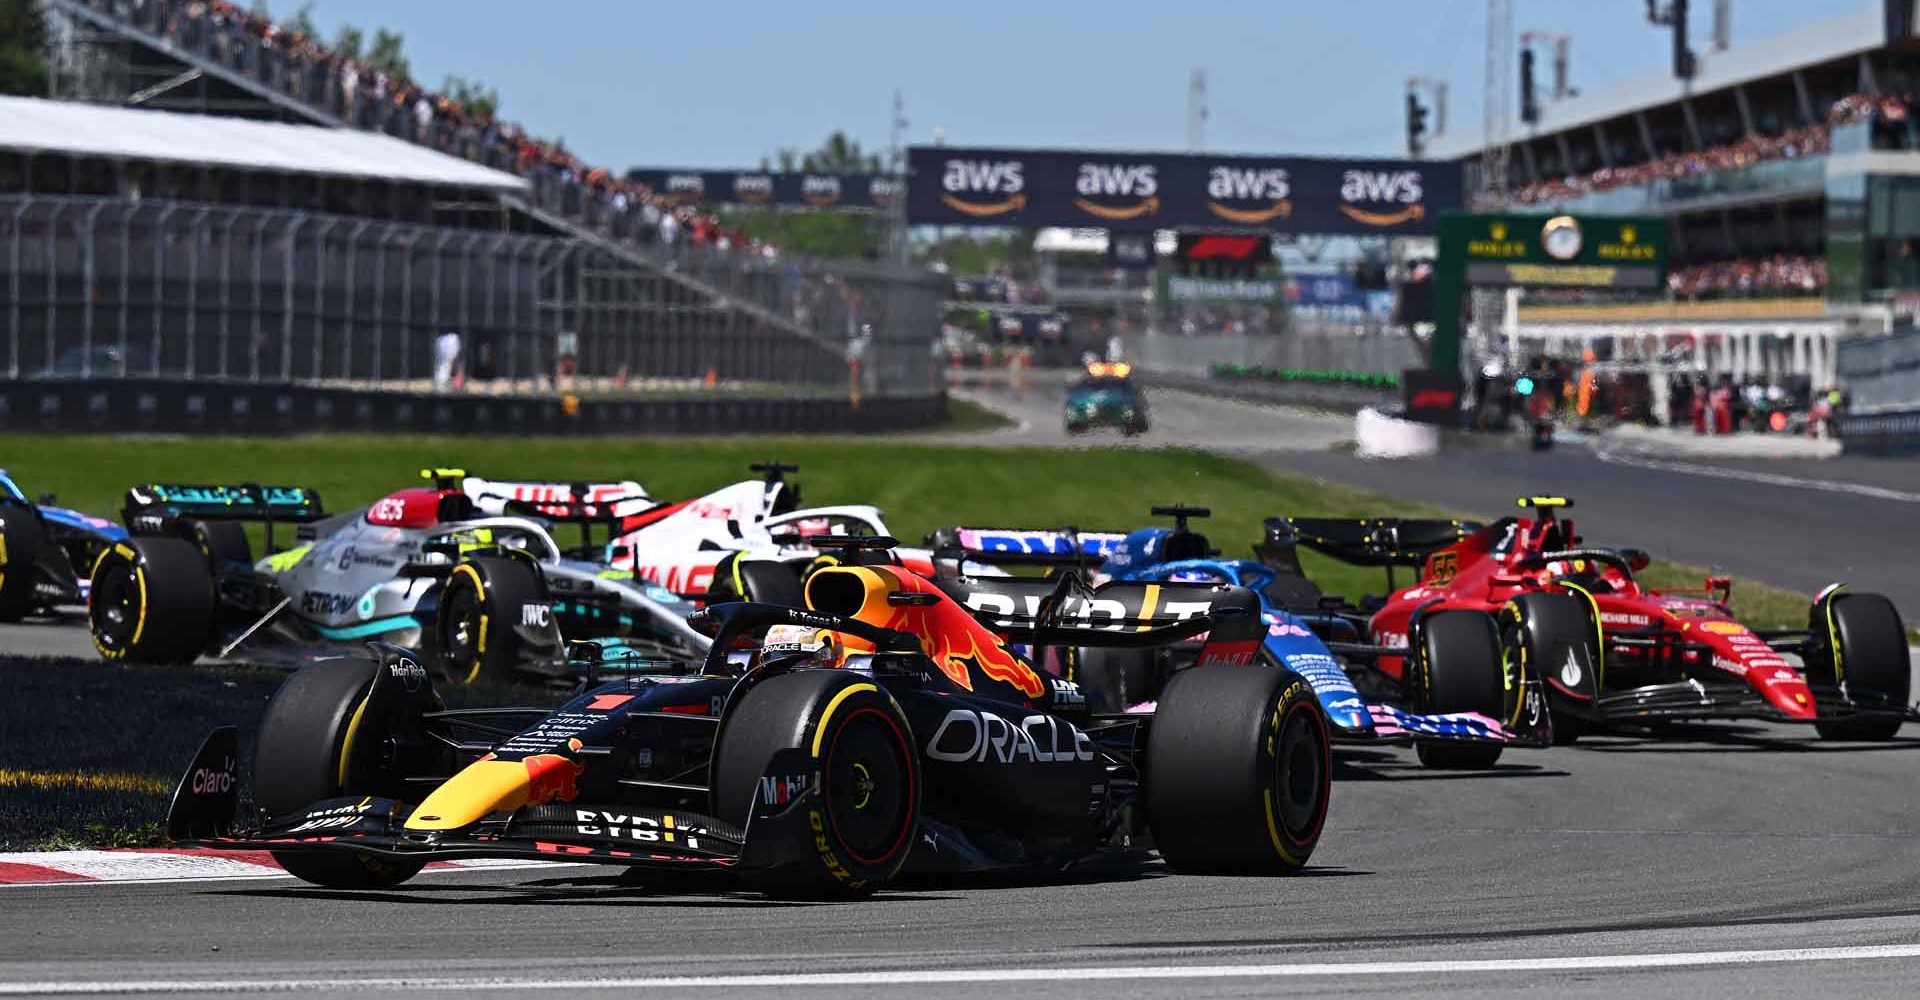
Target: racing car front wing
1695,699
777,833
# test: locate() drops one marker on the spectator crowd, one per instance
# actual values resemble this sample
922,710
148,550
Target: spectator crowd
1780,273
1888,114
370,97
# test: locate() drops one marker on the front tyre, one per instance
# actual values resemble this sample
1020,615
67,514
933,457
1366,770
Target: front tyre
1859,646
1239,771
1553,637
152,601
496,623
1458,669
867,808
302,754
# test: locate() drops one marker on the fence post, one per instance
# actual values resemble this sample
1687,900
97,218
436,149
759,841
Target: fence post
53,288
159,283
126,285
88,271
286,298
380,303
13,290
259,297
226,289
353,284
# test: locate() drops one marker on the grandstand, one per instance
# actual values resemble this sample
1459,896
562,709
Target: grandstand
1789,170
260,208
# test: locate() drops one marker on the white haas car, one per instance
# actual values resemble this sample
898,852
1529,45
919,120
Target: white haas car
748,541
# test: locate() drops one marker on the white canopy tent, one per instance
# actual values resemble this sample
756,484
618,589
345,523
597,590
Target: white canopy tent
64,128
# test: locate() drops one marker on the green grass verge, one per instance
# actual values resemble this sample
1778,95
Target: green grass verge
921,487
966,416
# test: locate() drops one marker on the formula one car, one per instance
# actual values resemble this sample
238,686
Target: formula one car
46,552
1653,654
1470,702
812,753
749,541
1106,397
486,596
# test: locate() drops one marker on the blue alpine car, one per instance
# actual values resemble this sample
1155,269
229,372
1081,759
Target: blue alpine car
1321,640
46,552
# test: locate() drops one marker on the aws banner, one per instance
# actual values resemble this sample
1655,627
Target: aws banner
950,186
792,190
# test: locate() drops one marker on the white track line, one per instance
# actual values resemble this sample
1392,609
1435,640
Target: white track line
929,977
1766,478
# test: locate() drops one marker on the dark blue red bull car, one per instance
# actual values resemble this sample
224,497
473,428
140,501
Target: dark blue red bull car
814,752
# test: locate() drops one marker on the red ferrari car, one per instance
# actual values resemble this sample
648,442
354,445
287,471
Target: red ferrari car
1612,650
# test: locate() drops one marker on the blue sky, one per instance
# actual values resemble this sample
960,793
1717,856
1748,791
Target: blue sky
720,84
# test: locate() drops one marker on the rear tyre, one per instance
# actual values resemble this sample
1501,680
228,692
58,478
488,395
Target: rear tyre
1113,679
1458,670
868,804
1860,645
496,623
224,544
306,742
152,601
758,580
22,540
1548,633
1238,771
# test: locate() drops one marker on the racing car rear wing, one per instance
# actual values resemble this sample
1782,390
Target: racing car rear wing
1023,546
1121,614
1387,542
239,502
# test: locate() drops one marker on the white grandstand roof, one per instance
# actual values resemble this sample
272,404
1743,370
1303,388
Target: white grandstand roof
38,126
1810,45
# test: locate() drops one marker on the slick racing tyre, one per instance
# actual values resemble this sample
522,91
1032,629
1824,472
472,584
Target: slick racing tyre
758,580
867,807
224,544
1552,637
1114,679
1458,669
1238,771
152,601
22,539
1860,646
496,623
306,741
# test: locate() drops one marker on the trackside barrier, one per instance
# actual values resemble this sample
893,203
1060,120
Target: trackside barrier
173,407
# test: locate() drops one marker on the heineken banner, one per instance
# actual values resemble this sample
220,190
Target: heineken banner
791,190
951,186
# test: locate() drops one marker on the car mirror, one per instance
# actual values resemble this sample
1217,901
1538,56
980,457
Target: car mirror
1637,559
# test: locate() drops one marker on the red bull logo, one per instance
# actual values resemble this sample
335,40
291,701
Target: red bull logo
959,645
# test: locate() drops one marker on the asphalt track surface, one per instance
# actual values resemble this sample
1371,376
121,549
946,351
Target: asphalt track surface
1725,860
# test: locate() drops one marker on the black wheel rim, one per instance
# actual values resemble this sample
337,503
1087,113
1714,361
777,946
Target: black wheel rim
114,605
869,787
1299,778
459,635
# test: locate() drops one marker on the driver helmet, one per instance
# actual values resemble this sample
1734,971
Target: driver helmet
818,645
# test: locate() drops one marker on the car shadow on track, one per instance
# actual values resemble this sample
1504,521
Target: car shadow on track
1722,737
603,890
1381,765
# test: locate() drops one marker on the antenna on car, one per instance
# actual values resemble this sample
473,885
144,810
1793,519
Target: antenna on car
1180,513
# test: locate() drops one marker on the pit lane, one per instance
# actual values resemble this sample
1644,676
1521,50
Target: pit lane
1566,871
